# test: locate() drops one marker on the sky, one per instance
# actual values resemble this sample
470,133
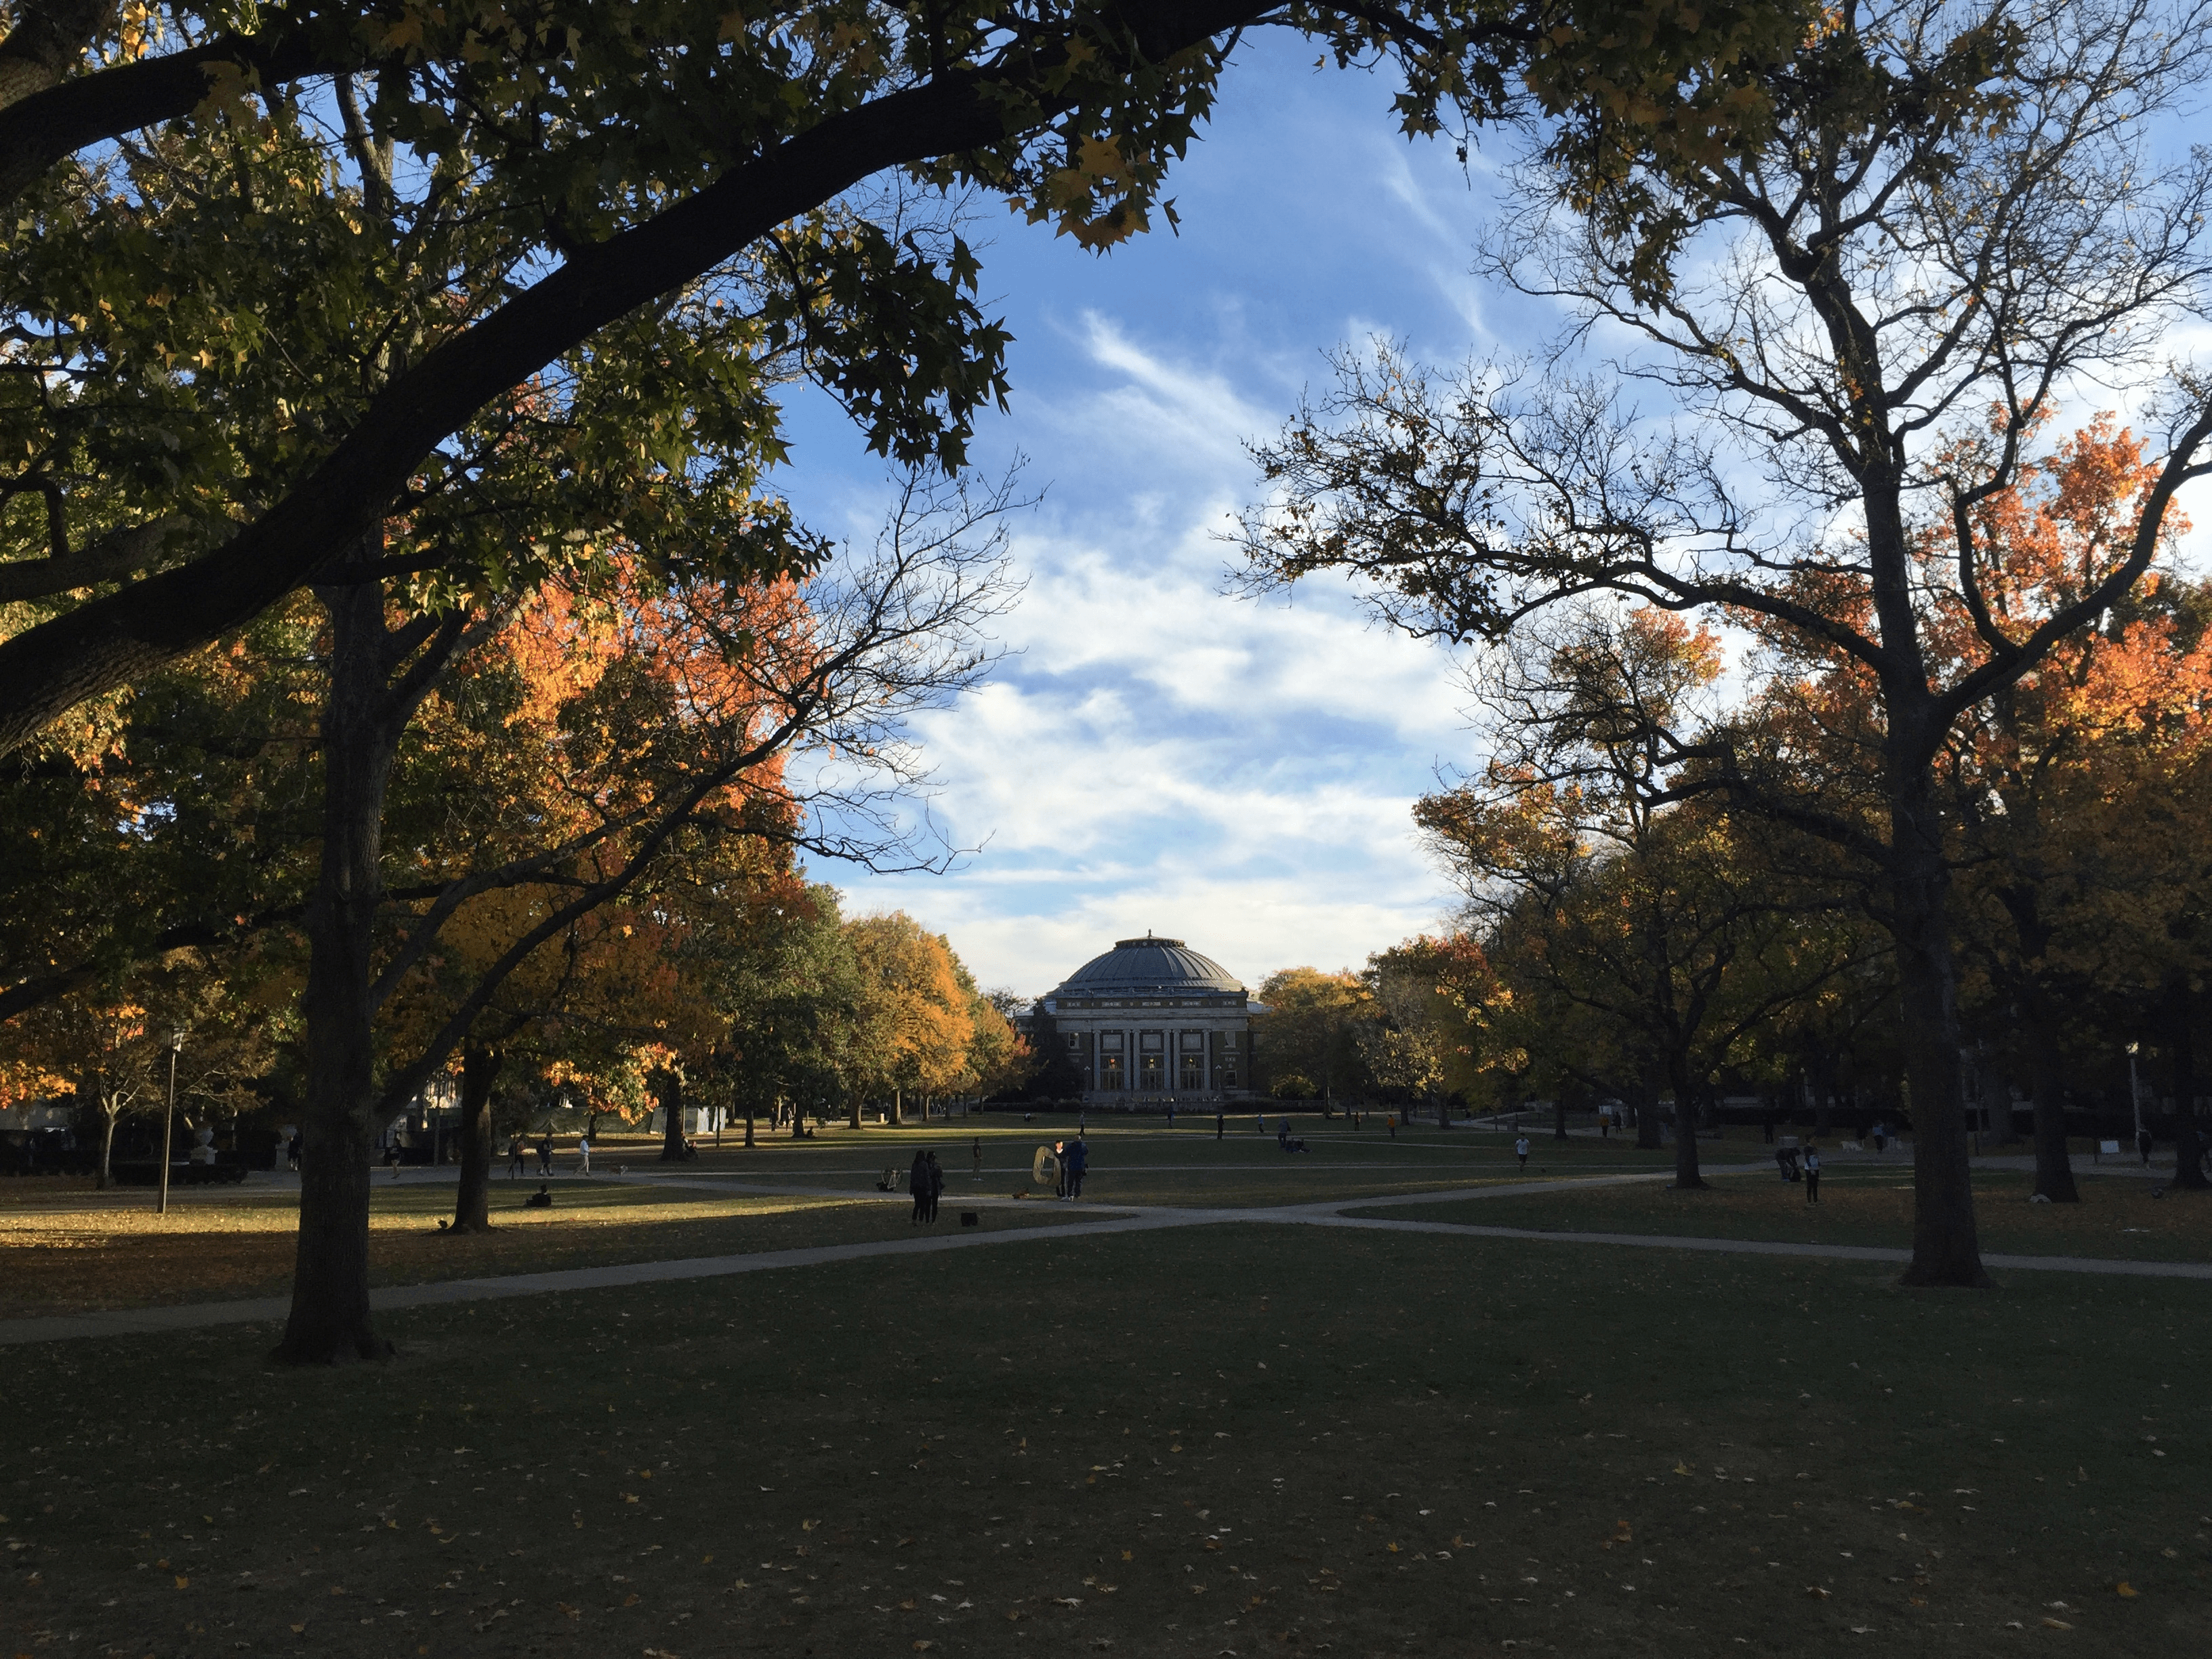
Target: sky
1154,752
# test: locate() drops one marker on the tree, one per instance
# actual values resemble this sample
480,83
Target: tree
614,154
109,1046
2057,783
1311,1030
1604,887
919,1018
1439,993
788,988
1949,211
667,727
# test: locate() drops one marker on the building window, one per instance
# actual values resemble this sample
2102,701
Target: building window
1153,1042
1109,1072
1110,1042
1152,1072
1074,1043
1193,1073
1192,1042
1229,1078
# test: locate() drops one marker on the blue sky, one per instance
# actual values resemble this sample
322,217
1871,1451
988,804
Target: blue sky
1155,754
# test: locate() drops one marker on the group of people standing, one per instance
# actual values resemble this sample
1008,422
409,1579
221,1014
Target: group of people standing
1072,1158
925,1181
1805,1166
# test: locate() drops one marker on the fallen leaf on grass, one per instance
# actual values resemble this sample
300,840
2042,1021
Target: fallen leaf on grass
299,1630
630,1601
2124,1589
1816,1592
1681,1468
573,1613
183,1582
2056,1624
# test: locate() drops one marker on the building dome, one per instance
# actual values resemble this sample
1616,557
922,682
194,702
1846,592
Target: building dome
1149,967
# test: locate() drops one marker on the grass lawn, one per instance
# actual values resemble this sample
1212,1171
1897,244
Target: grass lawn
1142,1162
1238,1439
1861,1205
81,1250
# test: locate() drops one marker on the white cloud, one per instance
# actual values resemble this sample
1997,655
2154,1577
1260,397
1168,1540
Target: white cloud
1156,754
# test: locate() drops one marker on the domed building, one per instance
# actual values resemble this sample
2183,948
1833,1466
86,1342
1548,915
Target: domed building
1152,1021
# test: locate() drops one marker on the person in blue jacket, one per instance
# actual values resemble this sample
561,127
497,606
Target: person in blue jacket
1078,1160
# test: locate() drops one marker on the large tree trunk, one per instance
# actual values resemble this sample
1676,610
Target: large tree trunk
2054,1170
2181,1043
1685,1125
1648,1138
330,1320
1946,1245
898,1107
671,1107
856,1114
749,1123
1995,1097
480,1069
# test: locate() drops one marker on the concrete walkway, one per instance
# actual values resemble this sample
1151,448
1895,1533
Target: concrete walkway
1119,1218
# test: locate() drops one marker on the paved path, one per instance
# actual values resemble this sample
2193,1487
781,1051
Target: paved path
1119,1218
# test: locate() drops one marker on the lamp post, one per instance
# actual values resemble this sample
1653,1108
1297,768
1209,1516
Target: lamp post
2135,1091
168,1120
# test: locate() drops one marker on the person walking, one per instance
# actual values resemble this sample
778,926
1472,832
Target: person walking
936,1186
979,1157
545,1153
2143,1146
1812,1175
1220,1124
516,1163
1059,1167
1078,1161
1521,1151
1172,1115
583,1154
917,1186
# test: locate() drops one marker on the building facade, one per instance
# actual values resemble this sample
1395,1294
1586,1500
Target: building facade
1153,1022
